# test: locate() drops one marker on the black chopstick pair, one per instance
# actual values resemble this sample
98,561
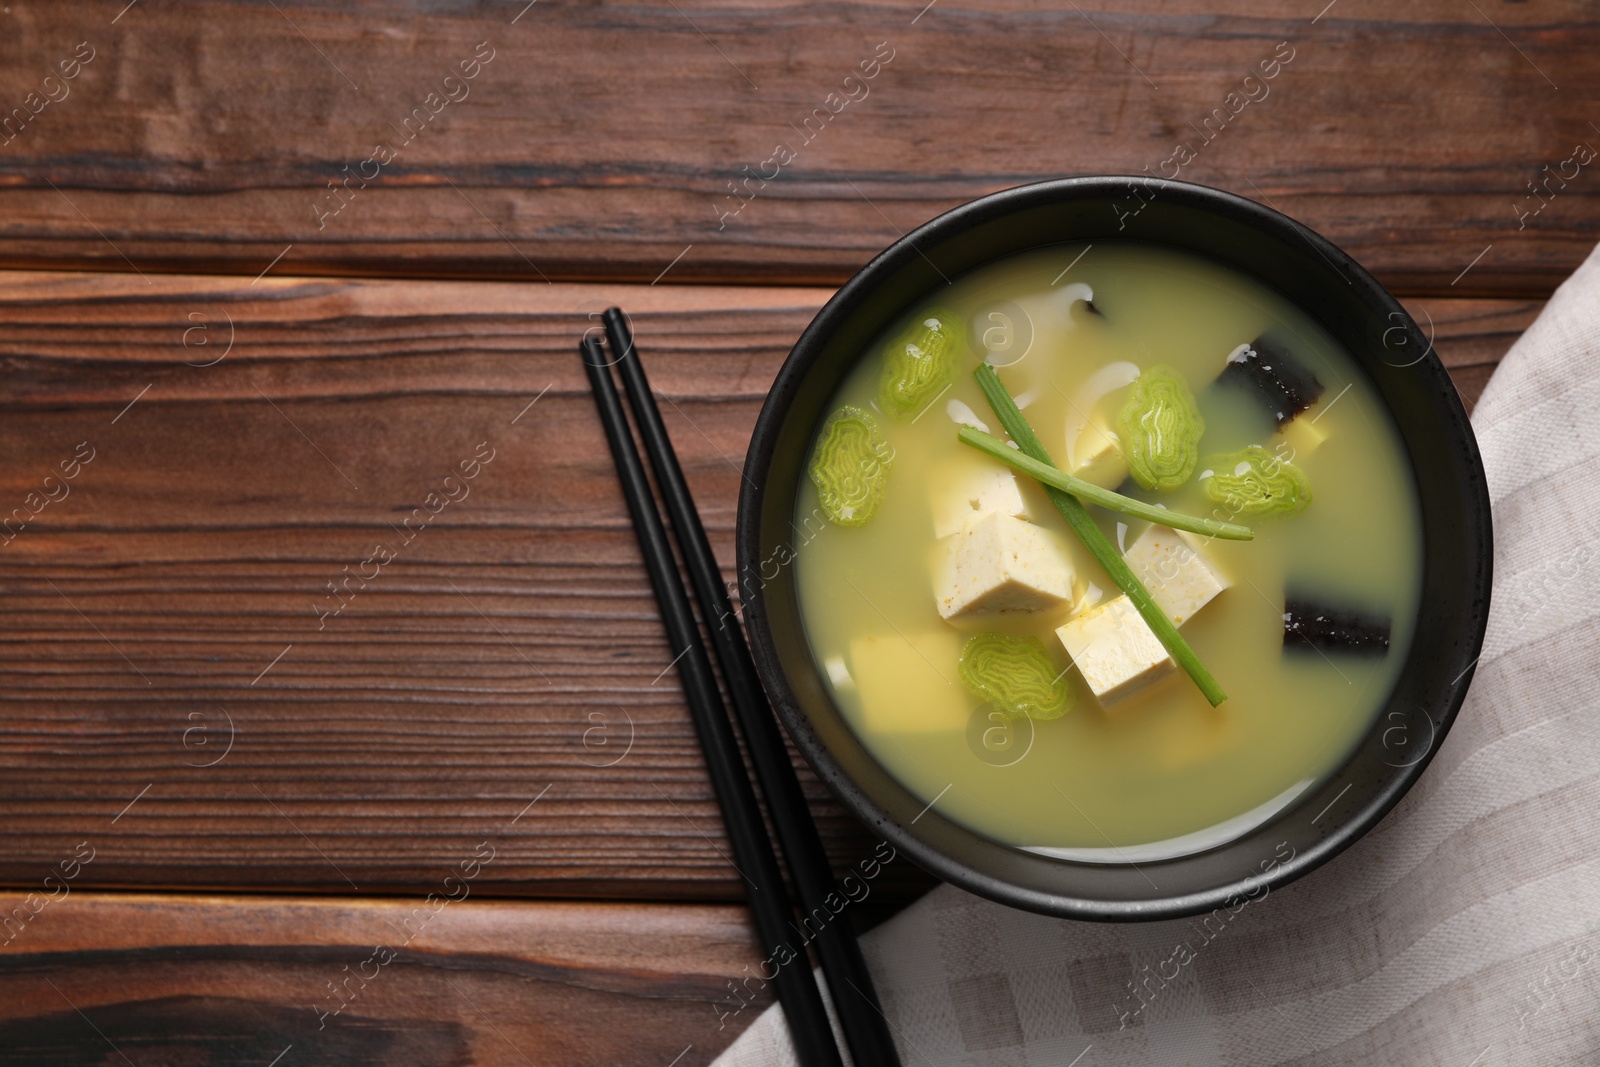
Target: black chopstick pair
861,1019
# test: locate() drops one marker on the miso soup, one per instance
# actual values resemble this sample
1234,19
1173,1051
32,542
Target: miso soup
985,657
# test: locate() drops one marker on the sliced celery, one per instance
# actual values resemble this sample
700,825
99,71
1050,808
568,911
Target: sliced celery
1160,429
919,366
1015,675
1253,481
850,466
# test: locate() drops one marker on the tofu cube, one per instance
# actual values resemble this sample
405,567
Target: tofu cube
986,489
1000,563
1114,649
1304,435
1098,459
908,684
1172,566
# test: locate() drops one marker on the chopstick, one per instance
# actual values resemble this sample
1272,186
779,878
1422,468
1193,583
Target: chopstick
861,1019
752,849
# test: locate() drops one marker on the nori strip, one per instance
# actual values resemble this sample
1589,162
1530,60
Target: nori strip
1307,625
1287,387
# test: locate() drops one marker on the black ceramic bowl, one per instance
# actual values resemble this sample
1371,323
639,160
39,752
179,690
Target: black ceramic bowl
1355,309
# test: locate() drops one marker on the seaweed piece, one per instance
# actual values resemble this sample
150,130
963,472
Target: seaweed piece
1284,385
1160,429
1016,675
918,367
850,466
1307,624
1253,481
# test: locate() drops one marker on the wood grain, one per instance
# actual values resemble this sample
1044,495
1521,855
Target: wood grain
505,656
222,981
602,141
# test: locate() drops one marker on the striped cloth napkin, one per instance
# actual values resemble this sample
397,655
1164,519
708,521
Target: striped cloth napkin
1463,931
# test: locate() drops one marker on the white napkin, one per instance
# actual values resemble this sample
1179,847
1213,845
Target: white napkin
1464,930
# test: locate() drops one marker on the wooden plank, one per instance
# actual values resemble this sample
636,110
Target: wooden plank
605,141
95,978
511,652
169,602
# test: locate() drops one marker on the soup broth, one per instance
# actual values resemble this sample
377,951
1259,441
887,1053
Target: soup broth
1069,328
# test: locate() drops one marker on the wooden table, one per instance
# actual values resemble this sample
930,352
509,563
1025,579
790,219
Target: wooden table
274,271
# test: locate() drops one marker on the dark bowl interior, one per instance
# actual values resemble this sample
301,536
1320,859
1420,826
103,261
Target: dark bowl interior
1359,313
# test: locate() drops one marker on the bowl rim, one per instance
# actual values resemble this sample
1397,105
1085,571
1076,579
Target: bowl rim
765,441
